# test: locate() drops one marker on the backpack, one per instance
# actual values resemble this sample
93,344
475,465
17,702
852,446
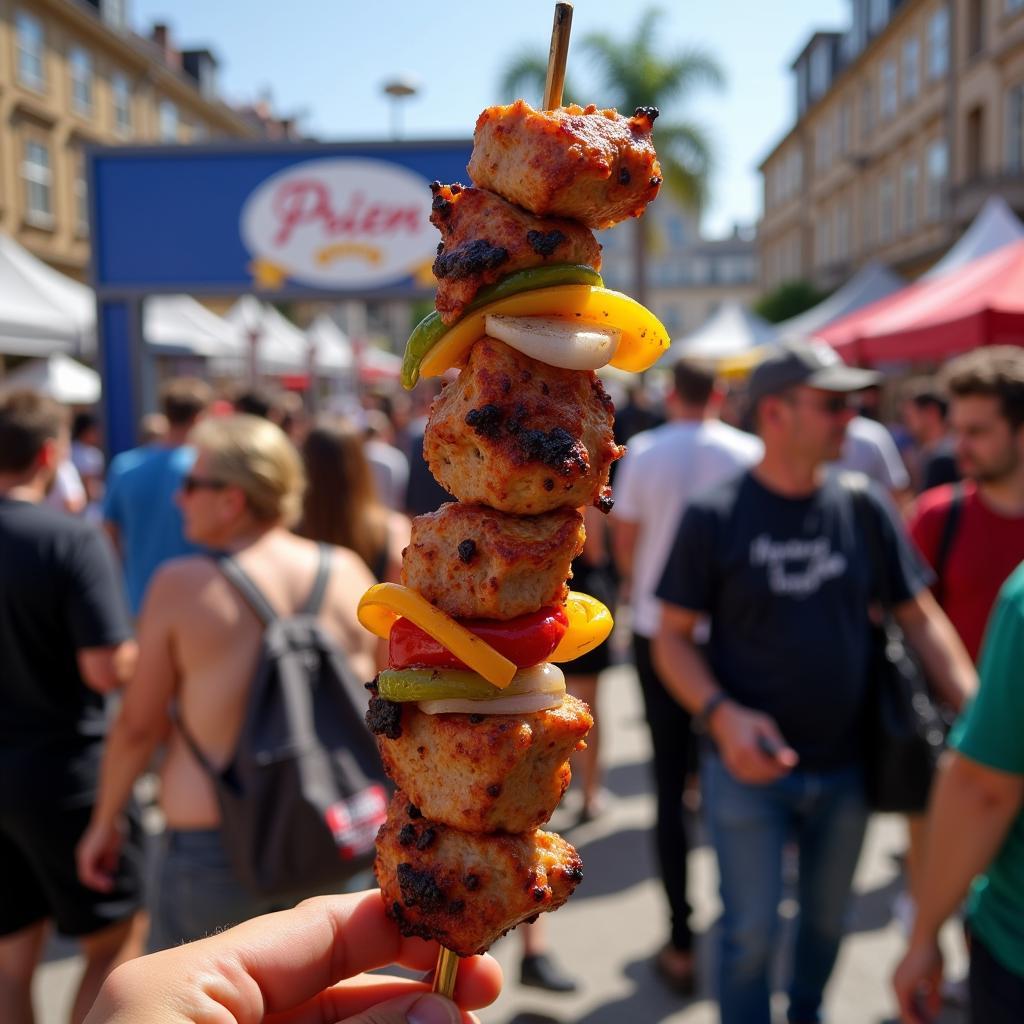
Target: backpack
303,794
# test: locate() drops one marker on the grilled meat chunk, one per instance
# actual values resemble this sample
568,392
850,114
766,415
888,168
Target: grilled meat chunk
467,890
485,773
484,238
594,166
520,435
512,565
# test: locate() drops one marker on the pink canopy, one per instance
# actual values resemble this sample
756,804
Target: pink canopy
982,303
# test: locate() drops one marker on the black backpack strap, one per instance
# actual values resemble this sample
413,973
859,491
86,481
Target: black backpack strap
244,585
323,574
949,528
864,513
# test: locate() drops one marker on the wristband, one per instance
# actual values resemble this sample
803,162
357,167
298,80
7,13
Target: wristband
703,719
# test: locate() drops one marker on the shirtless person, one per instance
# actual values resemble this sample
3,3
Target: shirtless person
199,645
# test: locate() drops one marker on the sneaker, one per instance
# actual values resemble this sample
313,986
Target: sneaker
540,971
675,967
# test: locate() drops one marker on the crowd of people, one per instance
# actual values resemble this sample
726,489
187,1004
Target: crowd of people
741,551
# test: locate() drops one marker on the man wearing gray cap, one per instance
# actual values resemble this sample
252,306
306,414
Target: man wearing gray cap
778,561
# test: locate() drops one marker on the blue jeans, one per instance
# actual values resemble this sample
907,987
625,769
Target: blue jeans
826,815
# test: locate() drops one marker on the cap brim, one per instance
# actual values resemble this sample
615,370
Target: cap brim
842,378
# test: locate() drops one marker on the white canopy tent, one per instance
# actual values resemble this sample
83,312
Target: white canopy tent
281,348
58,376
995,226
731,330
872,282
178,325
41,310
333,355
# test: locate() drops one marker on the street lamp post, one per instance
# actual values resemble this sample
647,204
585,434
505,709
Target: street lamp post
398,89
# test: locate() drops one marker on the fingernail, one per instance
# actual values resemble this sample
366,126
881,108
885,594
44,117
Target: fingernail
433,1009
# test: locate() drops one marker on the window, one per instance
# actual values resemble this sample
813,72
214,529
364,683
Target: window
878,14
867,112
1015,129
869,216
908,200
80,63
38,178
115,13
938,43
823,146
911,77
819,70
823,240
1014,5
31,70
888,98
843,141
886,209
842,231
168,121
122,93
81,187
937,169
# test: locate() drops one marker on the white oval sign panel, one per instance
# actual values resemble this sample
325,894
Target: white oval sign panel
339,223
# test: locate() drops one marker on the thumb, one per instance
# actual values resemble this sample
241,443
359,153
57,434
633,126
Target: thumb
418,1008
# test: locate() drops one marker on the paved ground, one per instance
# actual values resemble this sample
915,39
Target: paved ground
613,925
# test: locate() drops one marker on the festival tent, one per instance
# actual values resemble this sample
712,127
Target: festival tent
982,303
178,325
376,365
58,376
996,225
332,350
281,348
731,330
872,282
41,310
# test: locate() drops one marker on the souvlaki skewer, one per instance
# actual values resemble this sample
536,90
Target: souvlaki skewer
472,718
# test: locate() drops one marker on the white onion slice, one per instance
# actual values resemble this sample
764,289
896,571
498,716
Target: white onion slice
543,678
557,341
517,704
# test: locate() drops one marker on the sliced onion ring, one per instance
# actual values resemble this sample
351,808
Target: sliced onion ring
568,343
517,704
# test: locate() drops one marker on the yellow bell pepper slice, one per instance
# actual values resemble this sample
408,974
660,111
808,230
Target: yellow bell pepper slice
643,340
383,603
590,624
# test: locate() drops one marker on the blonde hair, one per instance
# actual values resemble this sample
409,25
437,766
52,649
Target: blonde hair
253,454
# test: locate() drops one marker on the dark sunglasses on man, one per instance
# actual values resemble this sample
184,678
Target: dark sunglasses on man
192,483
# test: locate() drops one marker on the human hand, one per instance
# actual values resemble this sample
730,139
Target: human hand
97,855
297,966
918,982
750,744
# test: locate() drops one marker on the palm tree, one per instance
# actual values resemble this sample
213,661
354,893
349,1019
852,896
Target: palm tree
634,74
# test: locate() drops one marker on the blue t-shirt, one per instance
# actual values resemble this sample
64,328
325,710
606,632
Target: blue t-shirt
787,583
140,502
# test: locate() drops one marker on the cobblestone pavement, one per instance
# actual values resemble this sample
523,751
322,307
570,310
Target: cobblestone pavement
610,930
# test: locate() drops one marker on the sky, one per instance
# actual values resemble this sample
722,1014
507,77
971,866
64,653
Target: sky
328,60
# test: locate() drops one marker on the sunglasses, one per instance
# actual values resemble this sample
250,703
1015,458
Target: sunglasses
831,405
192,483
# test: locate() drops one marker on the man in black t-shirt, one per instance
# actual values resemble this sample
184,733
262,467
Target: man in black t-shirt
779,563
64,643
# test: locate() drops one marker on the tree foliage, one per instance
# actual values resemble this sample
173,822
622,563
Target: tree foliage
788,300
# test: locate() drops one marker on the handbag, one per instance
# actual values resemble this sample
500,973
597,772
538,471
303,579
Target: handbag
905,732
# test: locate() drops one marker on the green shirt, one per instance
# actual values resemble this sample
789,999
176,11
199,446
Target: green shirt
991,732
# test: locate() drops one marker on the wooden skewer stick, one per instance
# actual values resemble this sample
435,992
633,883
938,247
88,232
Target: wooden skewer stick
447,961
557,56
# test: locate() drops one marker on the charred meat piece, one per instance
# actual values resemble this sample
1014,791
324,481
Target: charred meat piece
467,890
521,436
473,562
594,166
486,773
484,238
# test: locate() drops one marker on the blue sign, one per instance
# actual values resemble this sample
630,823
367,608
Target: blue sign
284,220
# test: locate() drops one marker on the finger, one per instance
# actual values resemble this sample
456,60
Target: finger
478,984
772,745
294,955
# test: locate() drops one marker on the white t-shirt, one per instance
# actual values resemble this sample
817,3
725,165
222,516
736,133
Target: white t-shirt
663,470
870,449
